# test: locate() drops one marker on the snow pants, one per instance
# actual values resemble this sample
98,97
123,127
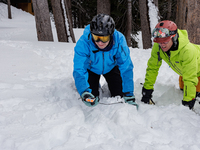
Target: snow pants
113,78
181,84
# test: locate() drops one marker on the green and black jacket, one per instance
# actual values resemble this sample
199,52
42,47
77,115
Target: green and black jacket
185,61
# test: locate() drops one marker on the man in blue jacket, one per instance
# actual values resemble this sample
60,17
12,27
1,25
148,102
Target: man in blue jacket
102,50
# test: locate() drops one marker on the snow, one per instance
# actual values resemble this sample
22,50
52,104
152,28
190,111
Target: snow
40,108
153,15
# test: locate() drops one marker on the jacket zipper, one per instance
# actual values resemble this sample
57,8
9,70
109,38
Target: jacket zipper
173,65
103,62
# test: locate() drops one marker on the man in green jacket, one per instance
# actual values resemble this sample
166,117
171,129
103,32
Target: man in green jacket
173,46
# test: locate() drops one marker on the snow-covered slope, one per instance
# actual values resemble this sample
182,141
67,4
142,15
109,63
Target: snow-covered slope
41,110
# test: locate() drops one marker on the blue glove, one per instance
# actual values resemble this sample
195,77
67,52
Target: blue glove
130,100
89,99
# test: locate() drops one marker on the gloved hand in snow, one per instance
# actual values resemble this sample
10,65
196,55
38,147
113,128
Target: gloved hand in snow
89,99
129,99
146,96
189,104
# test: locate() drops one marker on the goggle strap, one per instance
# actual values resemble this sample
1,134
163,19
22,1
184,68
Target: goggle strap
173,32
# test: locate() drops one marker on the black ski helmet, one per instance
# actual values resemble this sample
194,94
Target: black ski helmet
102,25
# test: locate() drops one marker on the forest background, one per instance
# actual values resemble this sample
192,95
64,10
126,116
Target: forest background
131,17
40,108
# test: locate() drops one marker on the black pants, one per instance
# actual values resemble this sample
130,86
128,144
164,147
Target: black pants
113,78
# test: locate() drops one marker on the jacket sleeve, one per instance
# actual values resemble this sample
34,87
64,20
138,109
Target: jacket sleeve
81,63
190,68
153,66
126,67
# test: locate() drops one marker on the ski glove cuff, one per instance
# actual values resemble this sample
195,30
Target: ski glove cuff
129,99
89,99
128,94
189,104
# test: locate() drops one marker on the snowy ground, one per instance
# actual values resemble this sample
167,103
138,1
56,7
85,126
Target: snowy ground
41,110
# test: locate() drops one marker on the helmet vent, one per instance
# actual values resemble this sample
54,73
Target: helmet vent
102,25
161,24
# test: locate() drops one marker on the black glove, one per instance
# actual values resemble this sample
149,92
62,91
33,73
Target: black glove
189,104
146,96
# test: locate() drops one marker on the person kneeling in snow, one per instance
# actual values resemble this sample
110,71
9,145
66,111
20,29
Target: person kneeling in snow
173,46
102,50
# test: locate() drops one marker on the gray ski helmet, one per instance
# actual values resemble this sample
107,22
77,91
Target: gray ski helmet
102,25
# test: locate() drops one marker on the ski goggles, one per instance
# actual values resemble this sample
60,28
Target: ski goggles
103,39
160,33
163,35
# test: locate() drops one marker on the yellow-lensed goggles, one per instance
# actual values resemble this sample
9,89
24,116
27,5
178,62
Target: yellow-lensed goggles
103,39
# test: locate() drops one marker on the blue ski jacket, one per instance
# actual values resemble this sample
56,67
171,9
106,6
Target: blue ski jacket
88,56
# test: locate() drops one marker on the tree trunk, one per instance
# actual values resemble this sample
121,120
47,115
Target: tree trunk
129,23
169,9
181,14
42,19
193,21
155,2
145,24
59,20
69,16
103,6
9,10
